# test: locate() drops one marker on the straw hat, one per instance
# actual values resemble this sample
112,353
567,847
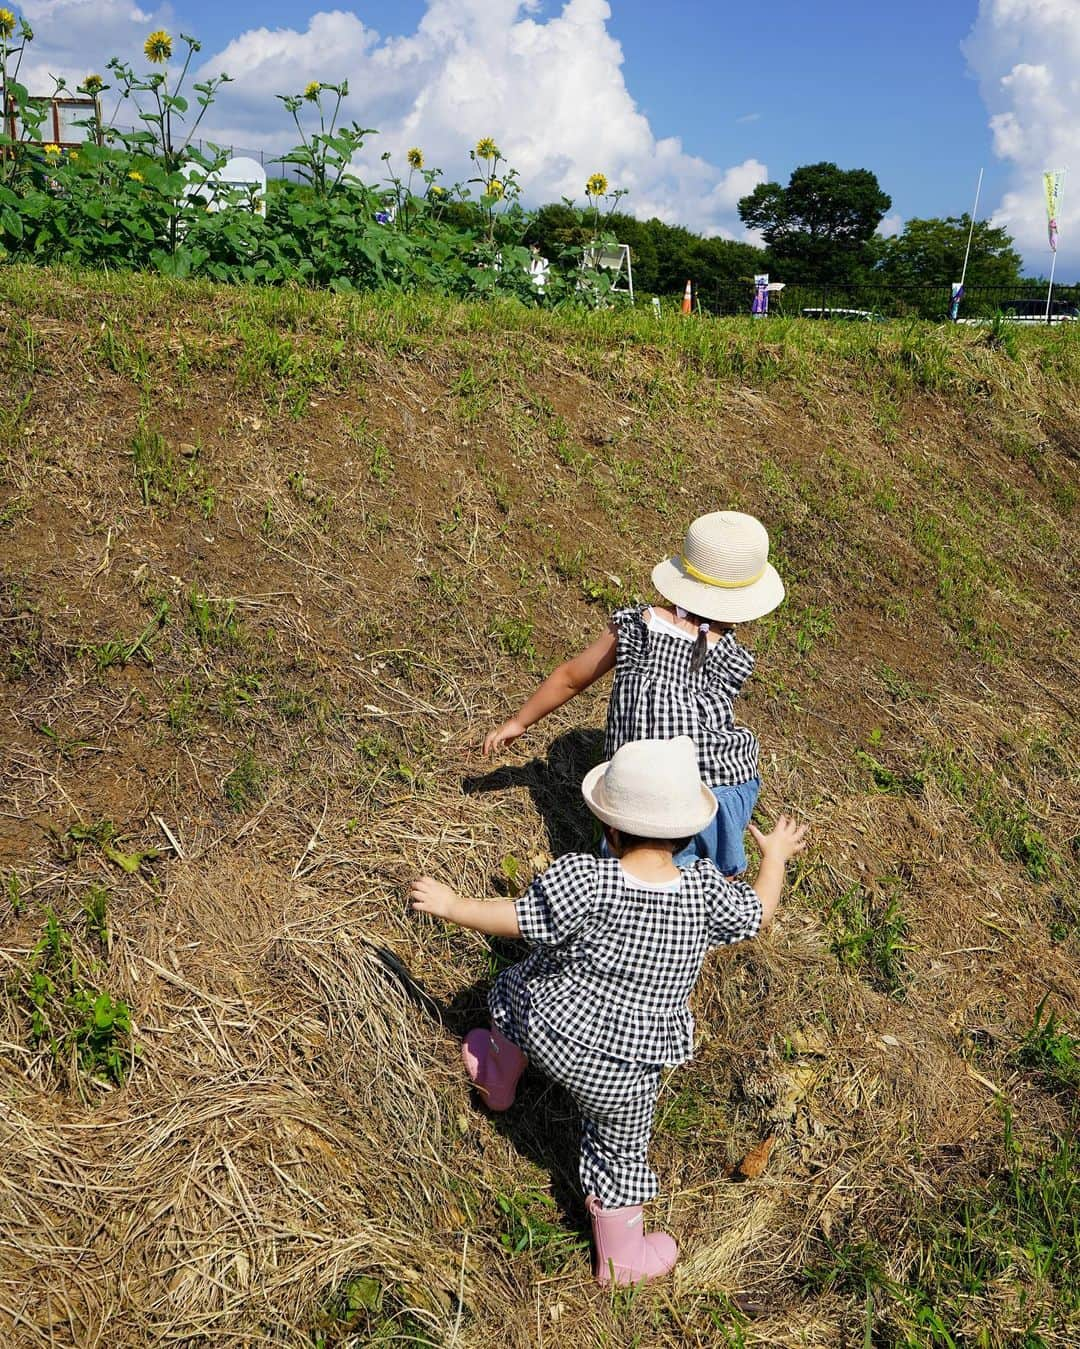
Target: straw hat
651,788
723,571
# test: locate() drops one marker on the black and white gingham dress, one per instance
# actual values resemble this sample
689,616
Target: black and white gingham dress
600,1004
655,697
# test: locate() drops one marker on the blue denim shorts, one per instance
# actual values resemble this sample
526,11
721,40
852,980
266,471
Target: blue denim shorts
722,841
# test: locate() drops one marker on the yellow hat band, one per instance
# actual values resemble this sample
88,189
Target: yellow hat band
691,570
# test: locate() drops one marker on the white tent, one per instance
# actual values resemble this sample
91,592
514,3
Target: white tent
242,175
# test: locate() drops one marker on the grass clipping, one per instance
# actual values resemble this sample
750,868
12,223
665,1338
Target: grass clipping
231,1197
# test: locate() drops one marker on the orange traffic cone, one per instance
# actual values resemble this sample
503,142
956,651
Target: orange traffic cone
687,299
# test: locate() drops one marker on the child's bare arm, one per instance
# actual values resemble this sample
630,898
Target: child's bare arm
783,842
498,918
564,683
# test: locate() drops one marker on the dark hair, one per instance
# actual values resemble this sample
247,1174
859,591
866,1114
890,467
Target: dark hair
636,841
701,642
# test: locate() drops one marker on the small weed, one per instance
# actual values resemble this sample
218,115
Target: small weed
11,512
604,591
1011,830
514,635
76,1021
13,888
292,704
162,475
213,621
869,935
239,691
899,687
812,624
244,786
529,1227
885,780
183,711
95,910
693,1112
1053,1053
104,835
363,1310
510,868
381,465
447,588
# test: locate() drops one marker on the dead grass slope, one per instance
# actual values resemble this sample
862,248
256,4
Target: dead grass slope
270,564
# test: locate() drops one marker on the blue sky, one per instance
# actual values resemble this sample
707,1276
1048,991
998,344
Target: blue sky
884,87
689,105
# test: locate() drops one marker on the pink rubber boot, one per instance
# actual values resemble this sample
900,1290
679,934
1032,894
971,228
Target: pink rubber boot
624,1254
494,1065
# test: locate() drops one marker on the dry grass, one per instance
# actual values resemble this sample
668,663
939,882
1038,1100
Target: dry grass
347,562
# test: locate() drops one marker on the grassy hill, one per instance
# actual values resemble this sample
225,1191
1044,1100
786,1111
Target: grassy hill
271,563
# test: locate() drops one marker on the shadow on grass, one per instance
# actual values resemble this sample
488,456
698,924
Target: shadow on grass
554,784
542,1124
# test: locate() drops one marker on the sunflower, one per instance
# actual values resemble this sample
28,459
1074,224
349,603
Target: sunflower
495,189
486,148
596,186
312,91
135,176
52,151
415,158
7,23
158,47
93,84
437,191
73,156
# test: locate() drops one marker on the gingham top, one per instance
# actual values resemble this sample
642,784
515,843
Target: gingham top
614,960
655,697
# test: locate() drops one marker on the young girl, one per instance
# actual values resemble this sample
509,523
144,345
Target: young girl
679,670
600,1004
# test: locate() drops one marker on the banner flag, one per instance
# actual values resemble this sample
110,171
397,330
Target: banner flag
956,297
760,306
1052,182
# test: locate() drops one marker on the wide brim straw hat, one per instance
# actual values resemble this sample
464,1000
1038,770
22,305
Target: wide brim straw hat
651,788
723,572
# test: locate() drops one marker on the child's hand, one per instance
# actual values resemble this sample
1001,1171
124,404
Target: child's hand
785,839
502,736
431,896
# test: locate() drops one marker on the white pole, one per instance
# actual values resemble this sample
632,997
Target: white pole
1053,256
1050,288
971,227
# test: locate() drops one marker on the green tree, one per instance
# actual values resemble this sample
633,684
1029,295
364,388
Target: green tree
931,253
820,228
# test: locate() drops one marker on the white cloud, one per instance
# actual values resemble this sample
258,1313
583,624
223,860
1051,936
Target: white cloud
550,90
1026,54
74,37
890,225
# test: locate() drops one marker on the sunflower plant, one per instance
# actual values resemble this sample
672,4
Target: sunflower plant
323,159
30,114
160,104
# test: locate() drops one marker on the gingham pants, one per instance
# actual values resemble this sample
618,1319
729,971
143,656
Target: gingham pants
616,1099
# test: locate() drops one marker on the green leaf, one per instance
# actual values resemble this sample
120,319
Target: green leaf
11,222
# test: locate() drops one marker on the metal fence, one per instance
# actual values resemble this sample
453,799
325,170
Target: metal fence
270,162
871,300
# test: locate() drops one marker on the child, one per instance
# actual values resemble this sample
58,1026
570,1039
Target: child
679,670
600,1004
